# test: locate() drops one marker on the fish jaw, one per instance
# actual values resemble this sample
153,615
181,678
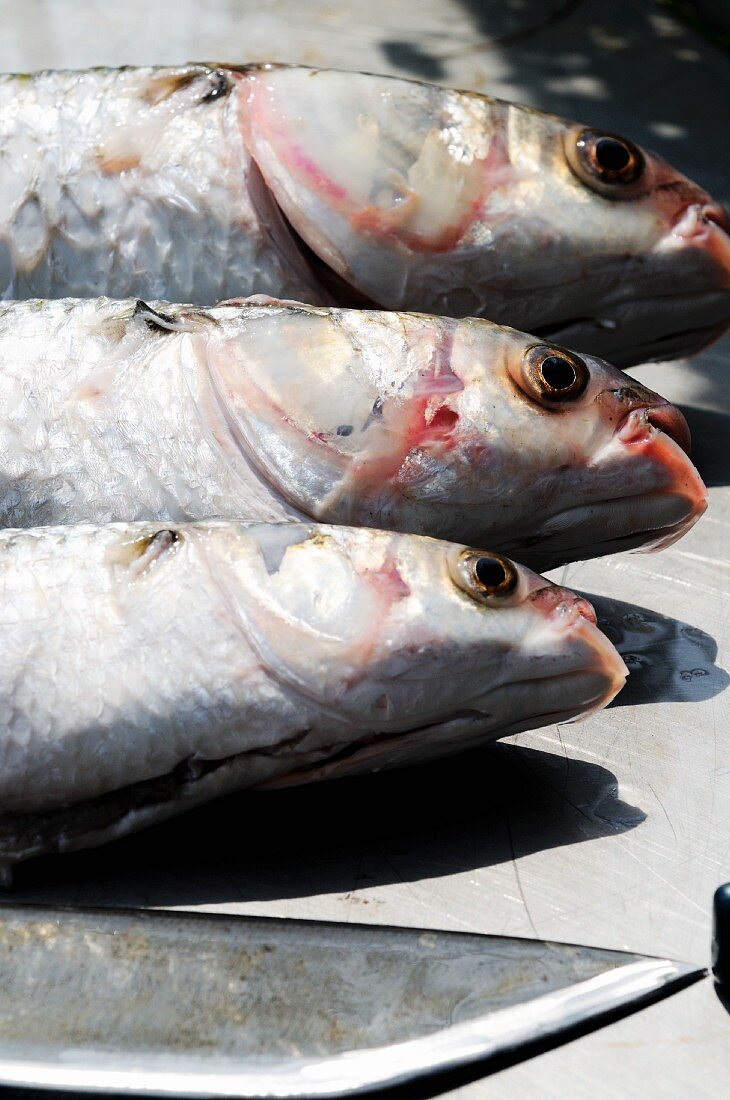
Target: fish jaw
641,518
441,668
564,635
418,197
685,306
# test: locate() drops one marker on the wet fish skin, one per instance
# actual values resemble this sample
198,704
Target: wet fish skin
148,668
203,182
122,410
134,181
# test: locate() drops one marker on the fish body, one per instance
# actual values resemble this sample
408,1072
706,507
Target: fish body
268,410
205,182
147,668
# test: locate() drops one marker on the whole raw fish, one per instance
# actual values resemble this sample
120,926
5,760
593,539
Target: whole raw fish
147,668
204,182
116,410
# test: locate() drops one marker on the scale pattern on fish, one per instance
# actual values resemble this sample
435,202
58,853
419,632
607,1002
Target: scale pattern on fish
147,668
460,429
204,182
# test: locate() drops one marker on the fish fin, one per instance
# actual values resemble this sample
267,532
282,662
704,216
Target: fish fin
186,321
139,555
214,83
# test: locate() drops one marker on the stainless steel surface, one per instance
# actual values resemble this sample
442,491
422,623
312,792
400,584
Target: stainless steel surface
197,1005
614,832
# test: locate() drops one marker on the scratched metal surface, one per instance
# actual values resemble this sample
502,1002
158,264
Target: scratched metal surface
614,832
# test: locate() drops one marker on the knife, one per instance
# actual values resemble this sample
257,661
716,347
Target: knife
189,1004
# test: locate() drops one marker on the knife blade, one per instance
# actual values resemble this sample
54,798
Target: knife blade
190,1004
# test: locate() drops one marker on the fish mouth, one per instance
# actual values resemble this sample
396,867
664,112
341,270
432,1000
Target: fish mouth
648,424
658,497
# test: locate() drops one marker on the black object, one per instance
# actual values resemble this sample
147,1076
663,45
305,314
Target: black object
721,935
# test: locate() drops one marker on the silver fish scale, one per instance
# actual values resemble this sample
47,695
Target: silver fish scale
128,181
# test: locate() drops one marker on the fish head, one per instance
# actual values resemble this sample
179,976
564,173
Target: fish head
458,429
411,196
418,647
580,459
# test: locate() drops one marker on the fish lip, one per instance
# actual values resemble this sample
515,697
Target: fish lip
692,222
704,226
563,608
642,421
610,666
667,536
666,451
715,213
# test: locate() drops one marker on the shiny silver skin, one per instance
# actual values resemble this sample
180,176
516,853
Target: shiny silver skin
125,410
148,668
204,182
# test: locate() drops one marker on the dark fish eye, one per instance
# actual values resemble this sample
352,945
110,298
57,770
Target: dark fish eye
607,163
490,572
558,373
552,375
612,155
483,575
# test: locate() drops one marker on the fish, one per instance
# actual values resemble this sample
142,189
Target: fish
122,410
148,668
206,182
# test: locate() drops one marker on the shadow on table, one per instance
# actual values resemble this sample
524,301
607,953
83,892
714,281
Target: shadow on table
710,451
669,660
497,25
486,807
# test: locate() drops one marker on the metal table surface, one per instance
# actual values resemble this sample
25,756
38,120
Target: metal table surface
614,832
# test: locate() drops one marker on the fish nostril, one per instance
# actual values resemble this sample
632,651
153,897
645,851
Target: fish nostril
670,420
554,600
717,215
586,609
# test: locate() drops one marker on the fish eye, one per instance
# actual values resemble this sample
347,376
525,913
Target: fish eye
483,575
607,163
552,375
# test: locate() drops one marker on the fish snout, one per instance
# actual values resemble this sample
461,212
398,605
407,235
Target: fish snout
639,410
641,424
705,226
714,214
659,437
563,606
574,628
668,419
